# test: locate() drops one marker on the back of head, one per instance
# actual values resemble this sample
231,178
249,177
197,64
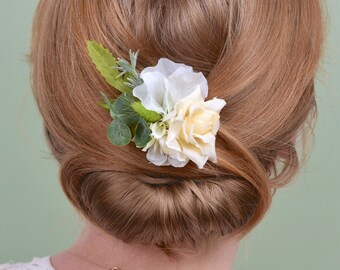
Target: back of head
260,56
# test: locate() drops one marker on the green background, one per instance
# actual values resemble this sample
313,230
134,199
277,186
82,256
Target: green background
301,230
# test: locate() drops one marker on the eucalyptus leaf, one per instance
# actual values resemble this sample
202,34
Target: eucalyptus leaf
142,136
122,107
105,62
113,114
119,133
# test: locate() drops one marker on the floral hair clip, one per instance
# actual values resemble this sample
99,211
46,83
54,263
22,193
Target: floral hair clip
162,109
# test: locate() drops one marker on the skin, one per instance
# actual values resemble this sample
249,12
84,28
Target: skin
101,248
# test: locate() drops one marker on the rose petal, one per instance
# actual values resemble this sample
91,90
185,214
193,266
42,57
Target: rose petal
182,83
151,92
166,67
156,155
168,102
171,140
191,152
206,138
149,144
215,104
177,163
209,146
195,96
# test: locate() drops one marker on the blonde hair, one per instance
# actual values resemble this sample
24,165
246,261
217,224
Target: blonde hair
261,56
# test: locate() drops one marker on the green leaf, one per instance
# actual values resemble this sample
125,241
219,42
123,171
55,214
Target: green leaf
104,104
106,100
133,128
130,68
119,133
147,115
142,136
105,62
108,104
122,107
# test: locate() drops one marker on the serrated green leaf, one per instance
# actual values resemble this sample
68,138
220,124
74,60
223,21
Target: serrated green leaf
105,62
147,115
119,133
122,107
142,136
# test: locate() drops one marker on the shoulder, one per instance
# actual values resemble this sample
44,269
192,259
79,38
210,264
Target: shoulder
37,263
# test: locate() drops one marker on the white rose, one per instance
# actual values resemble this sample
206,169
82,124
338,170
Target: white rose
166,83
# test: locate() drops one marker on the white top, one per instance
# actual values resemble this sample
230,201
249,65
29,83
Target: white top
37,263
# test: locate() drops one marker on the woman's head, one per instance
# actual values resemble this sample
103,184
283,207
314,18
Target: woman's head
260,56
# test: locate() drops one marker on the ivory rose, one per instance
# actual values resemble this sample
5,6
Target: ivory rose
193,125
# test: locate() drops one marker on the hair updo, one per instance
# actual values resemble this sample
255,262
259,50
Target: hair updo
261,56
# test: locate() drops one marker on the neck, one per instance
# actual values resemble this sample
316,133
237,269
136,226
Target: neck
99,247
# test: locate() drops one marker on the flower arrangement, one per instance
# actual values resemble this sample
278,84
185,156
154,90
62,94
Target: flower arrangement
162,109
